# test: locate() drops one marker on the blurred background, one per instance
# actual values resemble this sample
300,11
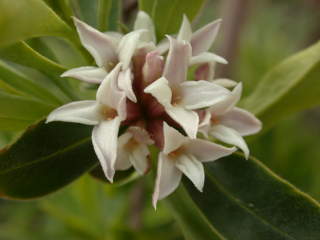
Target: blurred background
255,36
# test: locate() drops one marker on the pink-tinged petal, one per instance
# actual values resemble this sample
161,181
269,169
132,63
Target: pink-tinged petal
228,103
85,112
143,21
176,67
173,139
205,123
206,57
230,136
140,135
125,84
185,31
205,71
122,161
201,94
187,119
192,168
105,143
167,180
153,67
87,74
242,121
128,46
224,82
206,151
139,157
161,91
202,39
97,43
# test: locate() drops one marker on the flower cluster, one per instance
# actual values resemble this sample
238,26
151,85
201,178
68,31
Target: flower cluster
144,90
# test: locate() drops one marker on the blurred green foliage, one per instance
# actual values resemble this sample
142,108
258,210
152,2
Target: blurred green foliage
91,210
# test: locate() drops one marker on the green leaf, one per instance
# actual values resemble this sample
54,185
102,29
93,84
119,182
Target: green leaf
18,112
167,14
25,19
45,158
290,87
244,200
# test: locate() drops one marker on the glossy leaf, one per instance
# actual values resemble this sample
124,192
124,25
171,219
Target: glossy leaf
290,87
45,158
167,14
17,23
244,200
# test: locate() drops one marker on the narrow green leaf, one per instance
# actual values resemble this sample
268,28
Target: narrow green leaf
244,200
104,8
45,158
167,14
25,19
290,87
17,112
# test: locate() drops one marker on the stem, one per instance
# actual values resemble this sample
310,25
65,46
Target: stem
137,201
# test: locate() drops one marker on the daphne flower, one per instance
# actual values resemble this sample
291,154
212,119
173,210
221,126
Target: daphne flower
228,123
105,113
180,97
182,155
108,49
133,150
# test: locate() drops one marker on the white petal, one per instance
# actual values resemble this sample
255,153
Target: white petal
122,161
206,151
224,82
105,143
85,112
192,168
203,38
185,31
163,46
143,21
205,124
206,57
125,84
173,139
242,121
153,67
98,44
140,135
168,178
161,91
139,159
228,103
128,46
230,136
200,94
86,74
176,67
187,119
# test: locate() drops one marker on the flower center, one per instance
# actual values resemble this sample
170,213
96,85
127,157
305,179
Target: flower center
176,153
110,65
176,96
108,113
215,120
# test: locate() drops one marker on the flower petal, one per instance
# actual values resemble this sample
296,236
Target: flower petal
224,82
192,168
203,38
125,84
85,112
200,94
206,151
167,180
161,91
87,74
153,67
97,43
206,57
242,121
230,136
143,21
122,161
176,67
163,46
187,119
139,159
205,71
173,139
185,31
128,46
222,107
105,143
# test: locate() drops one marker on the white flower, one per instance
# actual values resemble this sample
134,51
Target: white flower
105,113
108,49
180,97
228,123
182,155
